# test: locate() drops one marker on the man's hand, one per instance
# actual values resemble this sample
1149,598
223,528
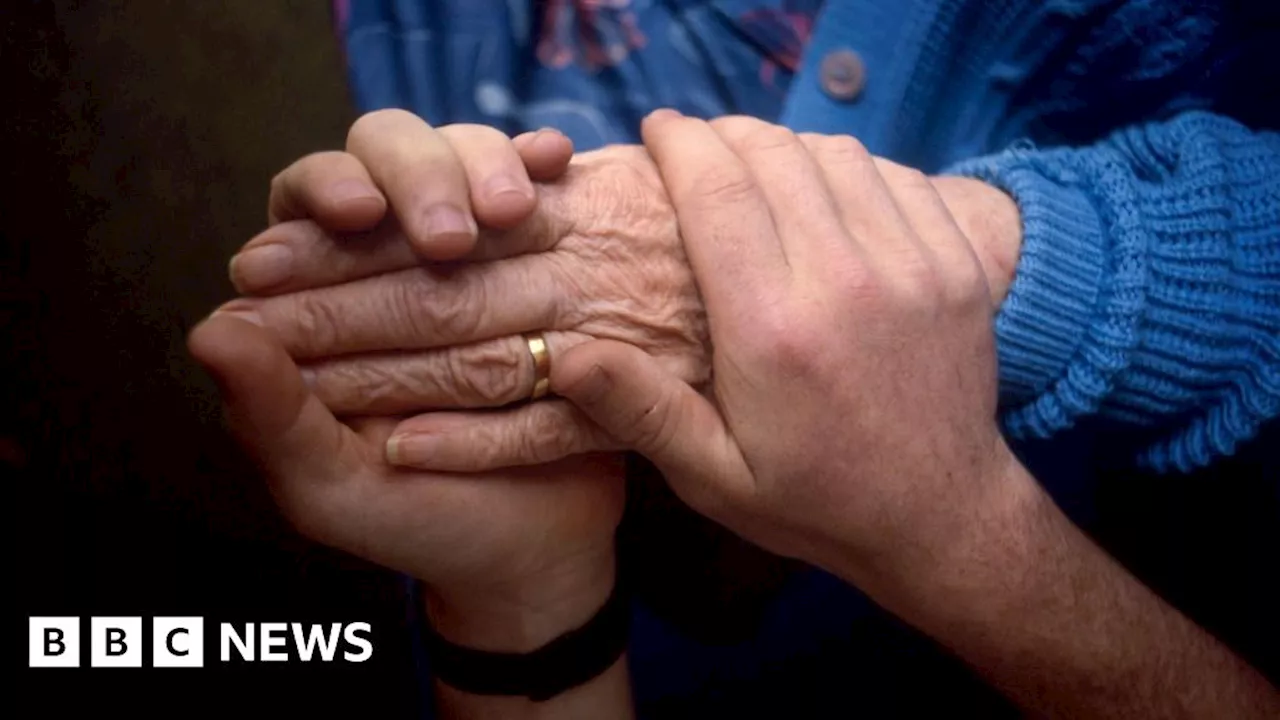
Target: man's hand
852,425
853,403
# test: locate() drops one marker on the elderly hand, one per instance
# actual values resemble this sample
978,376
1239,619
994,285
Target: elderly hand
603,261
600,258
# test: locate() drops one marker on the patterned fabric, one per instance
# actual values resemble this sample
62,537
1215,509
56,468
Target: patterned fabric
591,68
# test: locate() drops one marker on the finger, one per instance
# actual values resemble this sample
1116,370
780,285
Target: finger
501,192
866,207
332,188
412,309
928,215
641,406
487,374
533,434
546,153
303,255
728,231
420,173
791,181
299,255
286,430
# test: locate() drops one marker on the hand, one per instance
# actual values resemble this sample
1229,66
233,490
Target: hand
610,231
607,263
852,424
852,412
441,181
516,545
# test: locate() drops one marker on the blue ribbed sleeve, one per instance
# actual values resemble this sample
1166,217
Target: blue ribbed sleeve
1148,289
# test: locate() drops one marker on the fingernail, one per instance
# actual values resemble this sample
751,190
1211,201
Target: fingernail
504,185
262,267
411,450
308,377
549,129
249,316
665,114
349,190
445,219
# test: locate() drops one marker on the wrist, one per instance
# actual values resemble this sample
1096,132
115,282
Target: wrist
524,616
964,577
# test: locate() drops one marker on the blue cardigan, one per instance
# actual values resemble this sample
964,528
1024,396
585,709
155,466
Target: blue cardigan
1136,136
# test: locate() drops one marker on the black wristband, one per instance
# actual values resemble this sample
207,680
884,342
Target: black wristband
570,660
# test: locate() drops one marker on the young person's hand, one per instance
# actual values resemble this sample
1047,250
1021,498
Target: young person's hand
440,184
851,423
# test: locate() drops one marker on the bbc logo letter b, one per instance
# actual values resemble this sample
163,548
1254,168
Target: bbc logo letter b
53,642
177,642
115,642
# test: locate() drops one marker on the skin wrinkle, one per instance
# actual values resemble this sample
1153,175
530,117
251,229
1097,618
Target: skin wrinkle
493,375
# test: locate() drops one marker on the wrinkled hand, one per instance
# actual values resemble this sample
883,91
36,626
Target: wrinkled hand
852,418
599,258
610,266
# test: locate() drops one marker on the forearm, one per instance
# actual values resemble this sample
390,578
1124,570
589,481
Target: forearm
521,623
1031,603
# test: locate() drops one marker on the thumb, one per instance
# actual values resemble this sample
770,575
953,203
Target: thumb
273,415
623,390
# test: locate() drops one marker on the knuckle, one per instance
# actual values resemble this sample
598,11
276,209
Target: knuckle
373,124
799,348
453,310
912,180
371,386
917,287
317,322
785,338
486,375
767,138
843,150
735,127
541,440
726,187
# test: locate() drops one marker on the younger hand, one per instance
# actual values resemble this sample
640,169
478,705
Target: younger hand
441,184
509,558
852,419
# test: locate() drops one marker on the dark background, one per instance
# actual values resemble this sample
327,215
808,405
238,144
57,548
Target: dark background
138,141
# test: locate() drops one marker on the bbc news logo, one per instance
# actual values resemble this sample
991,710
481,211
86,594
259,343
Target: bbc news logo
179,642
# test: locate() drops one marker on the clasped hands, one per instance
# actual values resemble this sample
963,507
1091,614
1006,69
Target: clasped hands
798,334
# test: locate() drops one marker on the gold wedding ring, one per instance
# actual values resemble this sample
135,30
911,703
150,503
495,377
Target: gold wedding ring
541,364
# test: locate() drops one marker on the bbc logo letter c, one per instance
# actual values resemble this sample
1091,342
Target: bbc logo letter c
177,642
